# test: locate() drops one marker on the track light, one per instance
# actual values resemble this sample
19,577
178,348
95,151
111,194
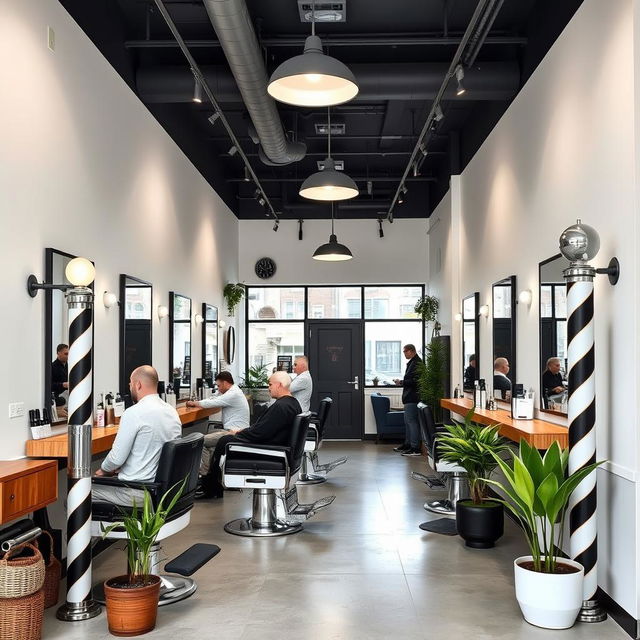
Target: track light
213,117
380,229
369,187
401,198
416,170
423,149
247,177
276,224
233,150
438,115
300,229
197,91
460,77
261,201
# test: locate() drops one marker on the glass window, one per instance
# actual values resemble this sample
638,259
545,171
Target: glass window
561,333
273,303
137,303
181,308
383,357
501,301
546,297
268,340
336,302
469,308
560,292
386,303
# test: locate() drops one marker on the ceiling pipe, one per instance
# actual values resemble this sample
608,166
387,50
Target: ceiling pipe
230,19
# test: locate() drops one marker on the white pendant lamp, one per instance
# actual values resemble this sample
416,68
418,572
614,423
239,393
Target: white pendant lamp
313,79
332,251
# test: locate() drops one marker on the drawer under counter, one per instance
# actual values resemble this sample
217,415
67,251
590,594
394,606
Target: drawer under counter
26,485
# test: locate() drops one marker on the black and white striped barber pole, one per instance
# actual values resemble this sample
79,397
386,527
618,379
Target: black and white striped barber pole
79,605
580,243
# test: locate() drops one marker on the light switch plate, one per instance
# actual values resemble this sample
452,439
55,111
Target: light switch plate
16,409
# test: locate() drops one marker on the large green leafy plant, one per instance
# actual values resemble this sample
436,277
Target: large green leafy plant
539,489
257,376
233,294
427,308
474,448
431,376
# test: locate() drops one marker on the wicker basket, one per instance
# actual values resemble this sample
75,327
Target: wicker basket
21,618
21,577
52,574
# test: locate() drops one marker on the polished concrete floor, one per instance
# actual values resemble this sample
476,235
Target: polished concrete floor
360,569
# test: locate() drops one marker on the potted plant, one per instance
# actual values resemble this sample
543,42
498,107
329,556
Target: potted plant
233,294
549,589
132,599
256,381
375,381
480,521
431,377
427,308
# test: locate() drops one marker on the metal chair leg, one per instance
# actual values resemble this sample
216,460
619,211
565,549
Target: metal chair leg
458,490
304,476
263,522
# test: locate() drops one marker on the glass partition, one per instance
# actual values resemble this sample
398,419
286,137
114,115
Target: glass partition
386,302
470,340
334,302
180,341
268,340
504,337
275,303
209,341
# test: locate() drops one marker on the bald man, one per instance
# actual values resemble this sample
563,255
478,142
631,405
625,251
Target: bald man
302,385
500,381
144,428
272,427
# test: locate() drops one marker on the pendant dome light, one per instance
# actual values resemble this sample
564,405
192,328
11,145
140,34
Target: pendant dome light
313,79
329,184
332,251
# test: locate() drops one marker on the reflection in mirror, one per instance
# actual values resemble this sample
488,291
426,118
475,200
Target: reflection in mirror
180,343
504,337
470,340
553,335
135,326
209,342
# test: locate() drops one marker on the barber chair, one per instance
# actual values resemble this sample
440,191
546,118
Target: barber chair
180,459
312,444
271,472
449,475
388,423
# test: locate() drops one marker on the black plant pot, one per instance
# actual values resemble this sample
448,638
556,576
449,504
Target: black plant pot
480,525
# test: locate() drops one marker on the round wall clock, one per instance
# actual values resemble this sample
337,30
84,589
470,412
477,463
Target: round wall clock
265,268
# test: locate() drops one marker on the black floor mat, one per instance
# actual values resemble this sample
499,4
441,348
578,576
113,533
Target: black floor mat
445,526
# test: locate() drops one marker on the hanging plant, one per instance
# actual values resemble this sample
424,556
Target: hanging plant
233,294
427,308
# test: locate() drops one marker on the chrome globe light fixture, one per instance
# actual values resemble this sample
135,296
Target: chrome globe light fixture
332,251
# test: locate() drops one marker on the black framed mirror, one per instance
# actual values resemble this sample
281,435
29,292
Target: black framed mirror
56,334
136,303
209,341
503,303
180,342
470,340
553,335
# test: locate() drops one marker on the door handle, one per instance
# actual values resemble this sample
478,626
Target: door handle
354,382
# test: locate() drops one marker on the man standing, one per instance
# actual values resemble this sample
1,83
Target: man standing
144,428
273,427
233,405
500,381
410,399
60,372
302,385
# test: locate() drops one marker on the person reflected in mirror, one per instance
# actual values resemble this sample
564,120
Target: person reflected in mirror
552,381
410,398
500,381
302,385
470,375
60,373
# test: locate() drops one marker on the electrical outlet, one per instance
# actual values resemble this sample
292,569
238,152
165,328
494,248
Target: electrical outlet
51,38
16,409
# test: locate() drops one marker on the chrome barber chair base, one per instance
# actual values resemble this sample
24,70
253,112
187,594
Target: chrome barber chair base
310,478
443,507
244,527
172,589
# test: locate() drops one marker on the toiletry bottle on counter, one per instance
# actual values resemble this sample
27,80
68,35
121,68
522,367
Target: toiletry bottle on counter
171,397
100,413
118,408
54,409
109,418
483,393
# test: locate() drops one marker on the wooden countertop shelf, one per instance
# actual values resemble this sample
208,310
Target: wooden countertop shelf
538,433
26,485
101,437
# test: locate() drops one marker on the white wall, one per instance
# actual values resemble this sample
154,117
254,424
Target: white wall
86,169
565,149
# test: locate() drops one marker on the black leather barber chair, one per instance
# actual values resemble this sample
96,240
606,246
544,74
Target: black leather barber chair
180,459
270,471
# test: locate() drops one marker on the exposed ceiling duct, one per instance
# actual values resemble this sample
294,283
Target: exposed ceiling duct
230,19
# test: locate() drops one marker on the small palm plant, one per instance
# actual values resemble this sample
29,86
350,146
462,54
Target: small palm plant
474,448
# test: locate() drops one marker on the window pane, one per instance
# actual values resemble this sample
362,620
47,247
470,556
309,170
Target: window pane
276,303
211,349
334,302
181,308
469,341
182,353
268,340
469,308
211,313
561,333
502,301
383,349
137,303
561,301
546,310
382,303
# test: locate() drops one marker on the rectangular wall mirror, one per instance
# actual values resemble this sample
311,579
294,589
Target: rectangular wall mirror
180,342
209,341
470,340
135,326
56,334
553,335
504,337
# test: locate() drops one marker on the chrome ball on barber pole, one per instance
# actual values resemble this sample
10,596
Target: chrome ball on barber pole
579,242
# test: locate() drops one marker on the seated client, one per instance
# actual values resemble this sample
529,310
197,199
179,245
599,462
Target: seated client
273,427
500,381
144,428
235,414
552,382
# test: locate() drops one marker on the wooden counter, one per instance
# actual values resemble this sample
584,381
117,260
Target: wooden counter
26,485
538,433
101,437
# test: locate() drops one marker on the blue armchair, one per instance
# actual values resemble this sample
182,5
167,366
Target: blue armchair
388,423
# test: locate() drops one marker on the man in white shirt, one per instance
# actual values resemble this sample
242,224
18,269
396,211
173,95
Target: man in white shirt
143,430
302,385
235,414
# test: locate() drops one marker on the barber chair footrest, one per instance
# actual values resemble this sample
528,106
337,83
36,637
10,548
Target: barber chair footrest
329,466
172,589
433,482
192,559
297,512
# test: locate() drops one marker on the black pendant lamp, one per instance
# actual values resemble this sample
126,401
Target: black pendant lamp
332,251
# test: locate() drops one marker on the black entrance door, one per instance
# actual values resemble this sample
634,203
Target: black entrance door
335,361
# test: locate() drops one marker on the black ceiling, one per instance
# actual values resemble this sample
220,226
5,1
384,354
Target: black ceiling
396,76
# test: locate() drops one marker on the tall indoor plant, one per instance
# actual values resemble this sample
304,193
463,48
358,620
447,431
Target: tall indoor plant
132,599
431,376
475,448
233,294
538,488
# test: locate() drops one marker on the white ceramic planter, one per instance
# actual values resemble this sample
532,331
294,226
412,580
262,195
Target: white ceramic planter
550,601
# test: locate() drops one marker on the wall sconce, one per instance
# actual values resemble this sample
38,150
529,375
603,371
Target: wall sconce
80,272
525,296
198,318
109,299
222,324
484,310
163,311
457,317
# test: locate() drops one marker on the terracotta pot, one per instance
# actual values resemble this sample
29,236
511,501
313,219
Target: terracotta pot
131,612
